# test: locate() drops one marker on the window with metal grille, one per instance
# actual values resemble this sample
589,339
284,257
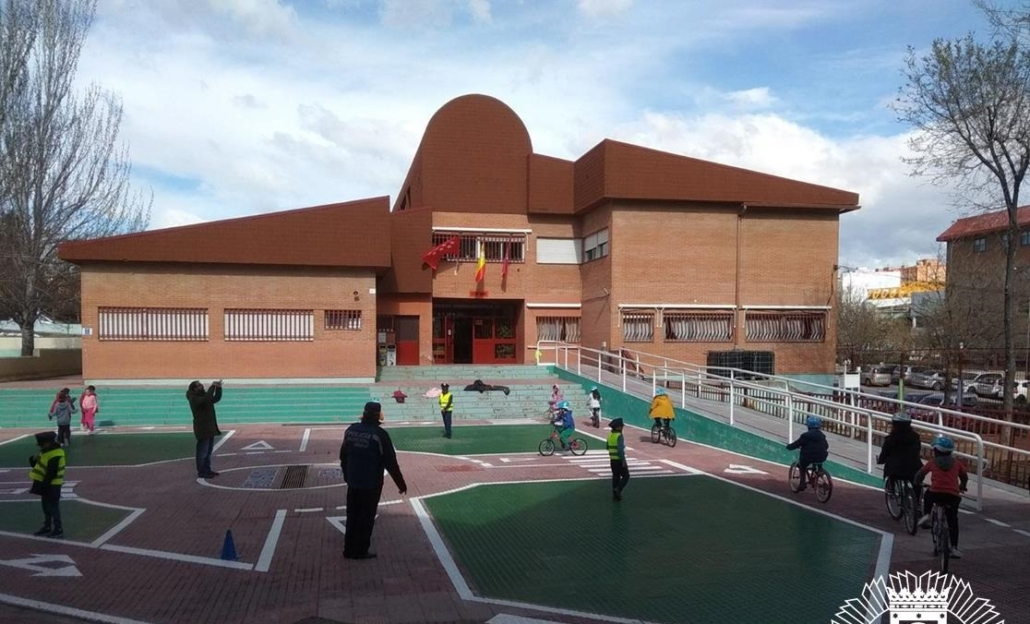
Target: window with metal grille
638,326
560,328
495,246
165,324
785,326
698,326
343,319
269,325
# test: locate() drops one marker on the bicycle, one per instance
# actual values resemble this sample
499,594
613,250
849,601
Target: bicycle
902,502
818,478
939,529
658,432
578,446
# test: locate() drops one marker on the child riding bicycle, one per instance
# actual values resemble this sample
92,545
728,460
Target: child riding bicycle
662,411
564,423
948,479
594,403
814,448
900,451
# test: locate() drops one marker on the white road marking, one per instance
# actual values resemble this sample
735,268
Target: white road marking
742,469
160,554
309,509
117,528
265,559
222,441
998,522
49,607
260,445
304,440
21,437
34,562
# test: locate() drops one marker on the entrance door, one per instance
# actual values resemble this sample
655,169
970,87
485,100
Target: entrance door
462,340
407,340
475,332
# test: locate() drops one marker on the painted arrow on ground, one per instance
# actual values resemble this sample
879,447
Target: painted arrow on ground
35,562
741,469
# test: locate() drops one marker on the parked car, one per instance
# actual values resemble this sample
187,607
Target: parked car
898,371
937,400
989,385
968,382
876,376
926,378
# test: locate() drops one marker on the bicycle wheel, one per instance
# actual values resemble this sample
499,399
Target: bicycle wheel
656,434
547,447
823,486
892,496
794,477
943,541
670,437
578,446
908,509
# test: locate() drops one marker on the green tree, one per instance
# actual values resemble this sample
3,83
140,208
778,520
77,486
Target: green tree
969,104
64,174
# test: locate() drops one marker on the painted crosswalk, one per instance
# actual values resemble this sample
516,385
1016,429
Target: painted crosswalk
597,462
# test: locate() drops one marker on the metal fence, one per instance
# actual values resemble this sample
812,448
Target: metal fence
993,448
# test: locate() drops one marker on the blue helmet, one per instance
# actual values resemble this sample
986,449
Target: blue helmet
659,391
944,444
901,416
814,422
563,405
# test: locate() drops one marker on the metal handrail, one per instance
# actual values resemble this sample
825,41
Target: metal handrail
572,357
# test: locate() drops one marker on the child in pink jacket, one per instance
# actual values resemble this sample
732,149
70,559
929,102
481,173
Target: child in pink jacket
89,405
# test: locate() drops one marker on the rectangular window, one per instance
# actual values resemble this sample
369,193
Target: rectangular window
495,246
343,319
595,246
638,326
794,326
559,250
980,244
558,328
698,326
164,324
1024,238
269,325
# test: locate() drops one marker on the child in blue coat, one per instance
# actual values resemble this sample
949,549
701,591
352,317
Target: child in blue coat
814,447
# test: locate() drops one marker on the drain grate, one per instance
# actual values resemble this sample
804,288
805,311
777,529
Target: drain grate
294,477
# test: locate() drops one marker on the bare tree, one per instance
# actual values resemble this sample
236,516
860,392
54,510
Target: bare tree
65,174
970,106
863,333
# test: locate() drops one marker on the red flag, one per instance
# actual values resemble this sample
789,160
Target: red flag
504,265
449,246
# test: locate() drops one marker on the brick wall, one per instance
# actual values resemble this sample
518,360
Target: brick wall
332,353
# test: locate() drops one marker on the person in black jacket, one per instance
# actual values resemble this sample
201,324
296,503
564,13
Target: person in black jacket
365,452
205,423
814,447
900,451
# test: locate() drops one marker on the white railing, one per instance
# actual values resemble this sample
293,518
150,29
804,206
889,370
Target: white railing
776,397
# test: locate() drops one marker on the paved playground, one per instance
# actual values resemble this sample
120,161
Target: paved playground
490,531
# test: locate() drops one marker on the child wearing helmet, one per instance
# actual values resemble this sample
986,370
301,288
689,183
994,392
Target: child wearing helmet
617,455
565,423
662,411
594,403
814,447
900,451
948,478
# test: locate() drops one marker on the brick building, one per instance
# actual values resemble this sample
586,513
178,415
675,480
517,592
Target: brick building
623,247
976,272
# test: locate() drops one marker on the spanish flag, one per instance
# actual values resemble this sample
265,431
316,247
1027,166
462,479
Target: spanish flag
481,264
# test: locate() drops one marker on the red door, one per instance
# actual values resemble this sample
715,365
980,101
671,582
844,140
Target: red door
407,340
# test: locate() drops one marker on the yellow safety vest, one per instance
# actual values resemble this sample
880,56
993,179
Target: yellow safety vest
38,472
445,398
613,445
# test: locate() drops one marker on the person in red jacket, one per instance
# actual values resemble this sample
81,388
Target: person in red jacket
948,478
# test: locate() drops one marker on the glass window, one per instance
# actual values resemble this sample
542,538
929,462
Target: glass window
980,244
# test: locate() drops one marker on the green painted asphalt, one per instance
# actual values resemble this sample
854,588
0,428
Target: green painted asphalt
474,439
82,522
106,449
676,549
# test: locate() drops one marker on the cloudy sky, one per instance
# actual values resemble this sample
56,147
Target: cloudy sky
236,107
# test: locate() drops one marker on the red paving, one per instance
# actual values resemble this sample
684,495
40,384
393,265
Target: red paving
307,576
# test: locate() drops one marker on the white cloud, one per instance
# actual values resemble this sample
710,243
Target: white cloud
599,8
759,97
171,217
259,17
480,10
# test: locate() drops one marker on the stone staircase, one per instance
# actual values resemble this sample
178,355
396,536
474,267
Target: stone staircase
529,392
